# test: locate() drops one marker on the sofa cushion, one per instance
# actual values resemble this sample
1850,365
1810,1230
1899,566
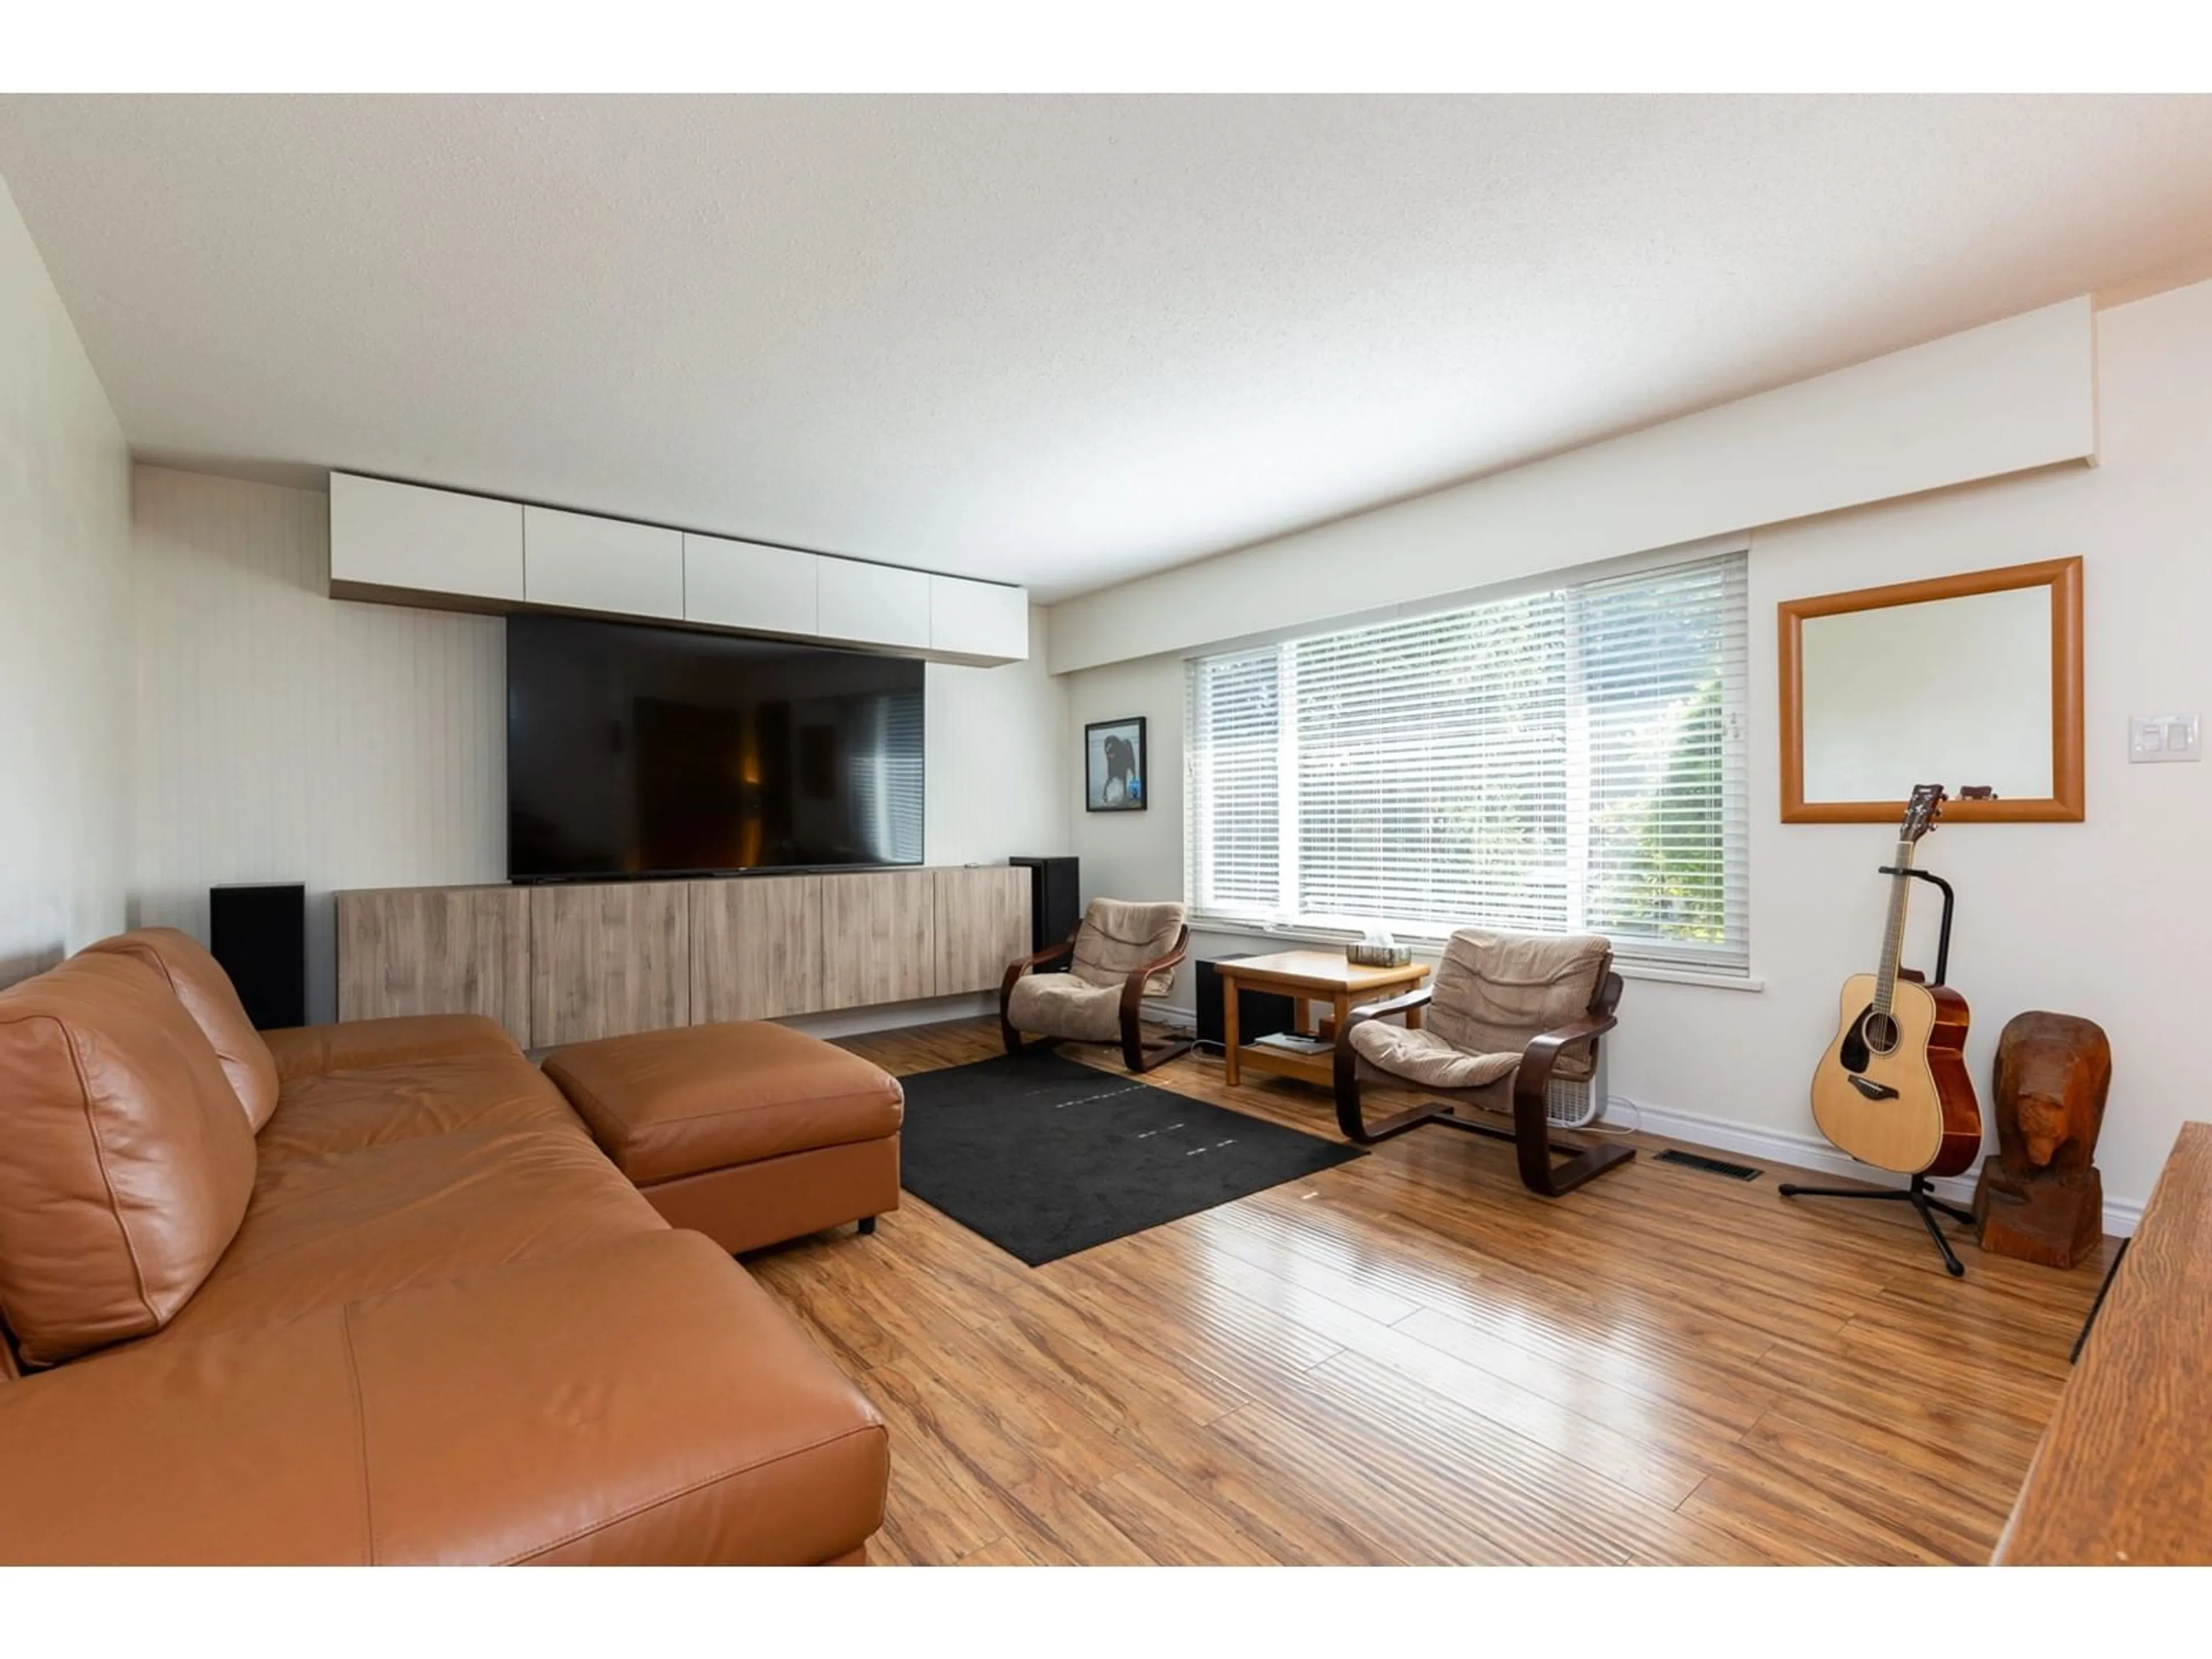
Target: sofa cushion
1062,1006
127,1162
640,1402
345,1111
698,1425
668,1103
199,984
327,1229
360,1045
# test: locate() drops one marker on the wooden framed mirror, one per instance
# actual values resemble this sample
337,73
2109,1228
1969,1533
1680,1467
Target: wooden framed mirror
1971,681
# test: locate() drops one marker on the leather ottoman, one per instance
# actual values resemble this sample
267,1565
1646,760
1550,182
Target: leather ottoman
751,1133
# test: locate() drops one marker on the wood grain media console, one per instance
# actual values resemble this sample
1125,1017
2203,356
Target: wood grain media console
566,963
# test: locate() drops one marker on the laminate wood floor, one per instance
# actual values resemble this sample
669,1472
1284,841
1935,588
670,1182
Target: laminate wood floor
1410,1358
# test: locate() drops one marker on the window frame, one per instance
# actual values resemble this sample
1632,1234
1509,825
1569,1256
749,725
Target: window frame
1727,962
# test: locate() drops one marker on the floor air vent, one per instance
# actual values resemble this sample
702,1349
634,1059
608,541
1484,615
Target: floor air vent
1709,1165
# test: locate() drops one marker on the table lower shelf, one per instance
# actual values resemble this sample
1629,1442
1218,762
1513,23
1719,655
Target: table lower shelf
1317,1069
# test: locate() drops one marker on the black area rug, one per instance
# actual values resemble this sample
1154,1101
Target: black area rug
1044,1156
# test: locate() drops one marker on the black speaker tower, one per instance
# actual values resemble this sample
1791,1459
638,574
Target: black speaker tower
1055,898
259,935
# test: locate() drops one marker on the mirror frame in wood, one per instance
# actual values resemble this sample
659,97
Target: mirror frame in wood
2063,806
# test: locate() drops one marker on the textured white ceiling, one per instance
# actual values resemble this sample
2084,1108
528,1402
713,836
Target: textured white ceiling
1055,341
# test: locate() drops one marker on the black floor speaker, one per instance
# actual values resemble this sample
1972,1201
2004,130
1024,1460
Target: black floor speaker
259,935
1259,1013
1055,898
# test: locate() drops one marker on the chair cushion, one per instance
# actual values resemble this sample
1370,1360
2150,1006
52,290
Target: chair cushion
1062,1006
358,1045
1117,937
127,1163
668,1103
199,982
1423,1057
1494,992
347,1111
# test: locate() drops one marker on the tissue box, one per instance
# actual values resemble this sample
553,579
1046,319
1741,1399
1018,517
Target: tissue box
1378,956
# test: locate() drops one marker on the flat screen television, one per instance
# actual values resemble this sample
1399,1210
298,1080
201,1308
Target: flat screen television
657,751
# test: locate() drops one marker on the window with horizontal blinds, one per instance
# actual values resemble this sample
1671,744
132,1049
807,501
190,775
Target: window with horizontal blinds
1554,762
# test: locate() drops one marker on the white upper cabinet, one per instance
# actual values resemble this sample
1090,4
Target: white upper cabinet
415,540
746,585
978,619
579,562
873,603
410,544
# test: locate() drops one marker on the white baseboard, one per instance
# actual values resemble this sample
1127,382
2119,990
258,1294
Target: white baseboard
1811,1152
891,1016
1775,1145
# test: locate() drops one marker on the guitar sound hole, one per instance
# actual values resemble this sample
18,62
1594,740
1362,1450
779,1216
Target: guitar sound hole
1880,1032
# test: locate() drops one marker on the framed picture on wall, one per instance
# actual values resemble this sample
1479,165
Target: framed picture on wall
1113,766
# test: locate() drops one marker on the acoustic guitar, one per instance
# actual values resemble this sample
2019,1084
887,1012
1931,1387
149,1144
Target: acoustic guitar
1893,1089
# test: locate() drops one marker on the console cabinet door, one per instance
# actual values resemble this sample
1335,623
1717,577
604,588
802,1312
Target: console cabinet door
608,959
877,938
435,950
983,924
756,948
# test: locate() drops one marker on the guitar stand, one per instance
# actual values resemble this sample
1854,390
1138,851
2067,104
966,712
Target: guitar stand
1943,932
1918,1194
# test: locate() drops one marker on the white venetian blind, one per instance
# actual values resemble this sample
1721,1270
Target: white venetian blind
1553,762
1235,839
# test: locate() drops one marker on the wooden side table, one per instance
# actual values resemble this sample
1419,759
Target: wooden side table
1304,977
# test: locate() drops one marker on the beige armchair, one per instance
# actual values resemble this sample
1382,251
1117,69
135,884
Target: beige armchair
1507,1012
1119,954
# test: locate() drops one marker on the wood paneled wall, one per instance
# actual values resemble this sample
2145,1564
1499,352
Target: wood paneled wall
568,964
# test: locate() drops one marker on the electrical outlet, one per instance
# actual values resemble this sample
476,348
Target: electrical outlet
2162,737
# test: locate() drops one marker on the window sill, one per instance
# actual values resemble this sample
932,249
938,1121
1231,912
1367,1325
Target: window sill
1425,951
1688,976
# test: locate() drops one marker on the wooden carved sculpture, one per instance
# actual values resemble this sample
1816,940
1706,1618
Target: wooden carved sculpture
2040,1198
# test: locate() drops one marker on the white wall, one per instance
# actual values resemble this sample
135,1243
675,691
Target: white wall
65,627
2107,919
1997,399
286,736
998,764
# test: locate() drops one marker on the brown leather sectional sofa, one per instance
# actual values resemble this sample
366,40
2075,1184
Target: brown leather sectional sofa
370,1293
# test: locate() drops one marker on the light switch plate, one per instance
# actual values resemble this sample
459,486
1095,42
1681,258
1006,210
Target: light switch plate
2162,737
